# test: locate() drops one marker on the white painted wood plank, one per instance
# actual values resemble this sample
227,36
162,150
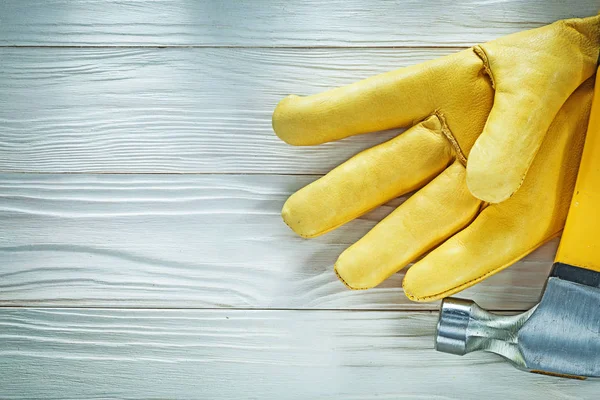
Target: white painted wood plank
194,241
172,110
142,354
275,22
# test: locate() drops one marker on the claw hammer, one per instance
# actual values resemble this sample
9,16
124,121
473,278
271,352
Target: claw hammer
560,335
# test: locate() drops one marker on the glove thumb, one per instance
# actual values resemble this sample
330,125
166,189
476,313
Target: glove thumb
533,73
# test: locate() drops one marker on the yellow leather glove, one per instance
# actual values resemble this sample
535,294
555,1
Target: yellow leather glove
453,97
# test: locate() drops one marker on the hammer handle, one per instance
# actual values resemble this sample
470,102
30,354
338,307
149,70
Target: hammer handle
579,245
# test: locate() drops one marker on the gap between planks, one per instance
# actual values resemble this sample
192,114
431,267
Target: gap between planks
274,47
238,309
263,309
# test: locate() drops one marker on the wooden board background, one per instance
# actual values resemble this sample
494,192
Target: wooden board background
142,254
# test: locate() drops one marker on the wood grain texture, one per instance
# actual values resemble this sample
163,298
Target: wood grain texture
220,354
172,110
194,241
275,22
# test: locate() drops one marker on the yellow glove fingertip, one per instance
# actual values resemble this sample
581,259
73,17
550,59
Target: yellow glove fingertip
491,177
284,121
353,269
297,219
415,287
340,272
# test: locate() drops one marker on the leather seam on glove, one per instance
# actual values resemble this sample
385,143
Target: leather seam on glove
467,284
480,52
299,234
448,134
344,282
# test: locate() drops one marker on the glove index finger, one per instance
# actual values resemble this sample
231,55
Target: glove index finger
390,100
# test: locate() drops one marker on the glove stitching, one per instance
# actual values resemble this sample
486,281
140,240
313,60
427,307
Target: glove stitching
344,282
480,52
467,284
302,235
448,134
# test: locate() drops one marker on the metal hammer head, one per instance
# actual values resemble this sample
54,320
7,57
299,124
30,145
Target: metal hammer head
559,336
